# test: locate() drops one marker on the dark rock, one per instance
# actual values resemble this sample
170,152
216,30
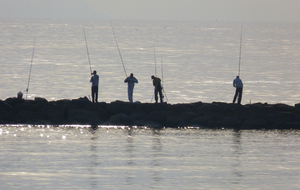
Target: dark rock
80,116
39,100
119,119
80,102
30,117
172,121
254,123
14,101
209,115
297,105
120,107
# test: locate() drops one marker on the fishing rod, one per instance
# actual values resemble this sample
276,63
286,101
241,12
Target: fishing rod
240,55
162,67
118,49
87,48
154,52
30,66
155,61
162,76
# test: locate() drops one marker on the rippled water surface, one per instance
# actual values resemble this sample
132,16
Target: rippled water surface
196,60
109,157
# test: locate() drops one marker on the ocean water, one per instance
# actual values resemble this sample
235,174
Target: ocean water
110,157
196,60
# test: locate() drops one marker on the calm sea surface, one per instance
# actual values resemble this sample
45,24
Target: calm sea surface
78,157
196,60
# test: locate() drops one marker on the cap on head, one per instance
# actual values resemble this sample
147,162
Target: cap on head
94,72
152,76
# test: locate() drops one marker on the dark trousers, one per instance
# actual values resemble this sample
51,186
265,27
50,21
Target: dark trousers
95,93
238,92
156,92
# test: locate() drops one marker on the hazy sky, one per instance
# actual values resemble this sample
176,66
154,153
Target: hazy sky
227,10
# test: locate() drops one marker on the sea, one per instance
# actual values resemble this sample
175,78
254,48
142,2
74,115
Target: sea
196,60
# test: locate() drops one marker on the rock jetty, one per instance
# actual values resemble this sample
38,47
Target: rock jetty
198,114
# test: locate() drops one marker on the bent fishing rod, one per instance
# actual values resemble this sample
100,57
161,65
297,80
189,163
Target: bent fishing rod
87,48
30,66
118,49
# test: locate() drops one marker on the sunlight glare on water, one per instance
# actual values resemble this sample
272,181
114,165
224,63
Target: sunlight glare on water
197,60
112,157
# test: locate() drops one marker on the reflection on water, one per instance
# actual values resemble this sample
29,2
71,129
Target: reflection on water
111,157
236,155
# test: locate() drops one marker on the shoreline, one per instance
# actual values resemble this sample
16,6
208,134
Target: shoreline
215,115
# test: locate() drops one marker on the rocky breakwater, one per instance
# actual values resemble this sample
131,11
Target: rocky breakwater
206,115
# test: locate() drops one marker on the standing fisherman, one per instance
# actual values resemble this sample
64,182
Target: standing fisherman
238,84
95,83
157,88
130,80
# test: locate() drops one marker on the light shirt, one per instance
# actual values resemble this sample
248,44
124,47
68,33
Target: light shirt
95,80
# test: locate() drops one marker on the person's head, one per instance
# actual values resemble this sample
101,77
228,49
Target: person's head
237,77
94,72
152,77
131,75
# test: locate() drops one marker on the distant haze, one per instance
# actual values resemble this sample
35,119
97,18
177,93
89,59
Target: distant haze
204,10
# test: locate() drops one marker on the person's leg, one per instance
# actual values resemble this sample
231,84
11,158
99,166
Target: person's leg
235,95
130,93
240,95
93,95
96,91
160,96
156,95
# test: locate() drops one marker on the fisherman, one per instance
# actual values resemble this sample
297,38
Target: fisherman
157,88
238,84
130,80
20,95
95,82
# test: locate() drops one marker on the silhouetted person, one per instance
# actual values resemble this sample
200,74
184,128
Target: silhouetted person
95,83
130,81
238,84
157,88
20,95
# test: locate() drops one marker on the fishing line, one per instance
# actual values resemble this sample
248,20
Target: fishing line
87,48
162,76
30,67
162,67
118,49
240,55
